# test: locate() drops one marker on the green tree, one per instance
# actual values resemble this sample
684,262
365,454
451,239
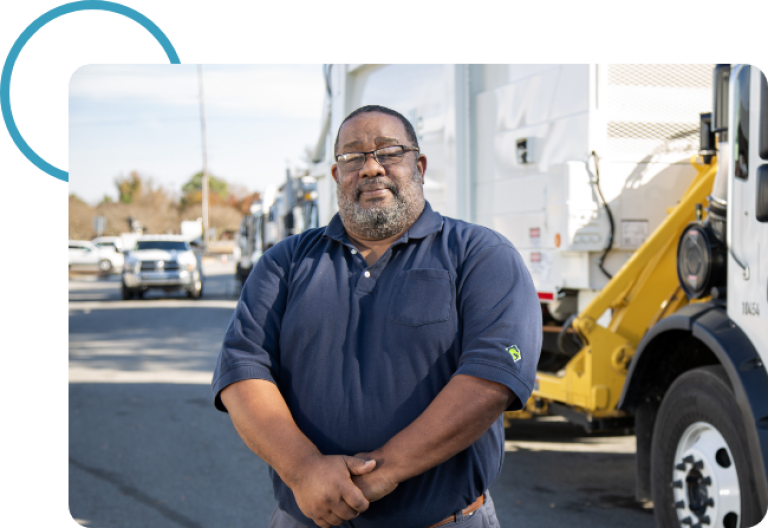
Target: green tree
195,185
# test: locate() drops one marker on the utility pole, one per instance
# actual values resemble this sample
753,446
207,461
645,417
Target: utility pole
205,160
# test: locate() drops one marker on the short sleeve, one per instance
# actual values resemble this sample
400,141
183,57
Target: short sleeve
251,344
501,320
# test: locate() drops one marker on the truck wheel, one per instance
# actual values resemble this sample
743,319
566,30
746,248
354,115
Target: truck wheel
127,293
700,472
196,291
105,265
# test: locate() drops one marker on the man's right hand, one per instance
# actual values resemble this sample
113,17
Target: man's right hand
325,492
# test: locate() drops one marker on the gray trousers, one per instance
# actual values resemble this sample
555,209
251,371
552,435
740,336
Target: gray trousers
483,517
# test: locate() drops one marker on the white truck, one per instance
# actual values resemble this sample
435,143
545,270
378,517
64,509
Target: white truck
602,175
283,212
511,147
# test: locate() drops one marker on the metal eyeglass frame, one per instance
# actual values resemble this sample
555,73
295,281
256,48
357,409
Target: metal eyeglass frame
365,155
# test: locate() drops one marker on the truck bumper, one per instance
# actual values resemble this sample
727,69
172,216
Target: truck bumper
155,279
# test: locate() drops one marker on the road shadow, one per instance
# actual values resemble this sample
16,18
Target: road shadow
569,488
159,454
554,429
186,338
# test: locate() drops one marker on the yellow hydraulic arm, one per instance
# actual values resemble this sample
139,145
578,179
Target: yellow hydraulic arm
643,291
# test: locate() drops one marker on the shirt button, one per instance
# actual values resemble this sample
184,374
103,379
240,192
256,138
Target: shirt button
367,274
354,252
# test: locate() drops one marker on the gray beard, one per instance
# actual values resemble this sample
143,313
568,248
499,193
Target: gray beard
380,222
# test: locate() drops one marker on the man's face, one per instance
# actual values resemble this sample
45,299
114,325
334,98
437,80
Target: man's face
377,202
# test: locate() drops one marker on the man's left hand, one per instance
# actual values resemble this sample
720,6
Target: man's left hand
378,483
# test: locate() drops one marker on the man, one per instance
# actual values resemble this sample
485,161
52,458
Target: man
369,362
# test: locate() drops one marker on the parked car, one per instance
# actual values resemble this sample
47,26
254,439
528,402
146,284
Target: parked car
84,254
161,261
109,242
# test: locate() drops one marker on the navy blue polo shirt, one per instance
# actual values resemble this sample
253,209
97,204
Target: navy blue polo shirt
359,352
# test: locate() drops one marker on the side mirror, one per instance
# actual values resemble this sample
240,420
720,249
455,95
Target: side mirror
706,137
722,75
761,201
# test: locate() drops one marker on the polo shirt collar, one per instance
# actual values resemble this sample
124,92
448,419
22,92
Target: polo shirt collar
428,222
335,229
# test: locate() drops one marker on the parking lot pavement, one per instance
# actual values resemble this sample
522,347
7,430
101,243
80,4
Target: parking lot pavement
147,448
557,475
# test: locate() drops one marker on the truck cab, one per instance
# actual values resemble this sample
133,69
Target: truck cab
697,384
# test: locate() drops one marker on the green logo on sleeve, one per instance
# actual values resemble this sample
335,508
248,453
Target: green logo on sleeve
515,353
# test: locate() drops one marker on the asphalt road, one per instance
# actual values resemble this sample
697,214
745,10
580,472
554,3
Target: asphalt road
147,449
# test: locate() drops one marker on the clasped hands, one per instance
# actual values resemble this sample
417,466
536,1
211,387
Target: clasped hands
336,488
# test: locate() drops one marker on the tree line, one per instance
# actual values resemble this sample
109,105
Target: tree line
157,210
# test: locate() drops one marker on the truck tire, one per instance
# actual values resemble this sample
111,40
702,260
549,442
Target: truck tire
105,266
196,291
239,274
127,293
700,469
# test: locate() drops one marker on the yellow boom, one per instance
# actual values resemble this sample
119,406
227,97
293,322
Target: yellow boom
643,291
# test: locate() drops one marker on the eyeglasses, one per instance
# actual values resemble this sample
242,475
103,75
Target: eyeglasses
353,161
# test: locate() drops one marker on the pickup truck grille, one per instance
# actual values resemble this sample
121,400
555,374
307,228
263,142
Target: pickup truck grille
159,265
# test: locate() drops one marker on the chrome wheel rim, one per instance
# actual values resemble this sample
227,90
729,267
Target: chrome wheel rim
705,484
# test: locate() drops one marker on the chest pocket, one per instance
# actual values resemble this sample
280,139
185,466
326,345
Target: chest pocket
420,297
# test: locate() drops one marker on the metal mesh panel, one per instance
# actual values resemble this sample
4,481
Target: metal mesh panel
639,141
693,75
619,129
652,110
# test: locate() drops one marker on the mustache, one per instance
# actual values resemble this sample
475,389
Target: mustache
376,182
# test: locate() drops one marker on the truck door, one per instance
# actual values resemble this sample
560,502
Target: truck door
748,258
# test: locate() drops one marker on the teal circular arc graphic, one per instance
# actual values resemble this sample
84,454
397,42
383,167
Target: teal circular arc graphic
10,61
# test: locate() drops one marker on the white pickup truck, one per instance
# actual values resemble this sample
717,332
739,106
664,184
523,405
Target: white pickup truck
161,261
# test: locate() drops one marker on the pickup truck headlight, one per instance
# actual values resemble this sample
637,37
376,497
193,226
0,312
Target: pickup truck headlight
188,262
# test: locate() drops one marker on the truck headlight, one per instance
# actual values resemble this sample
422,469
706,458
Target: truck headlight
701,260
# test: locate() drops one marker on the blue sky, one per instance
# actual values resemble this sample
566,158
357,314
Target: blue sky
259,119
